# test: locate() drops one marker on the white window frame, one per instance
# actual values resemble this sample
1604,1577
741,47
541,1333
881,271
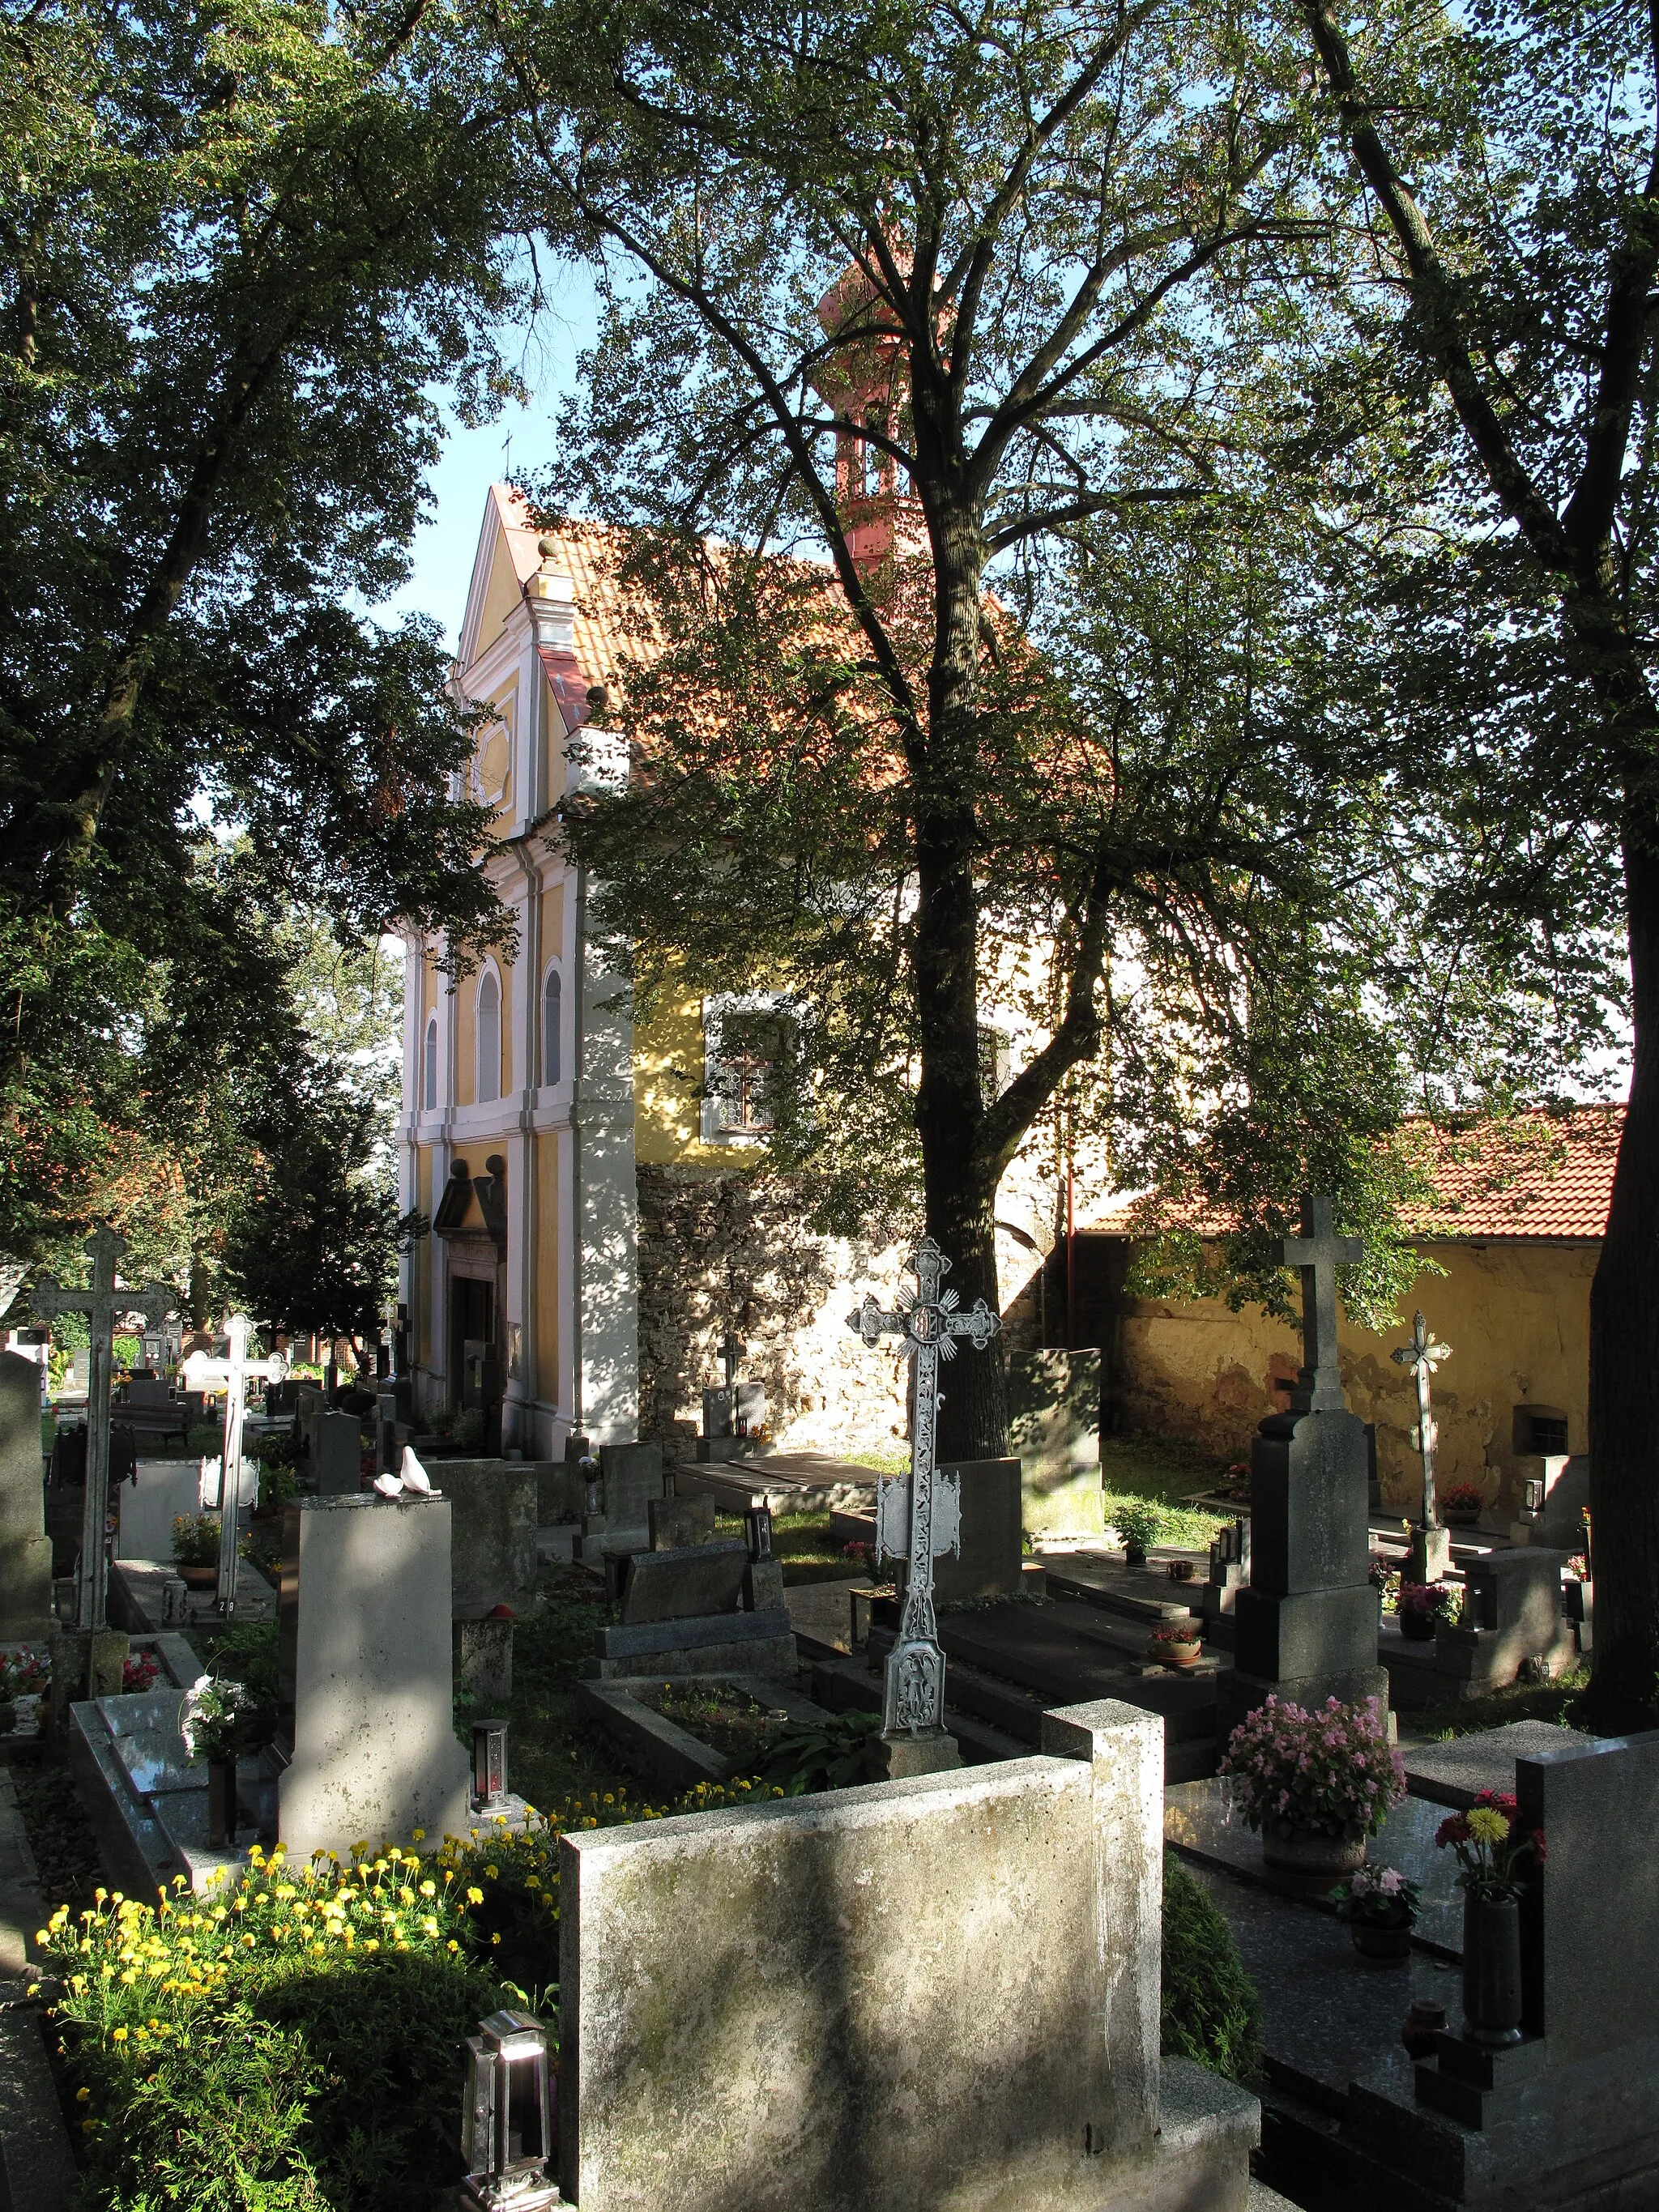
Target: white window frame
552,974
489,974
715,1013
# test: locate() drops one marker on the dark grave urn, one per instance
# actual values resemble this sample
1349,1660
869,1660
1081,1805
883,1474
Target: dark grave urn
1417,1627
1492,1969
1426,2023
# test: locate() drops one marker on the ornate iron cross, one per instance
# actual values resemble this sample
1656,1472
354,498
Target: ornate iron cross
1422,1356
1319,1252
929,1321
231,1375
102,1304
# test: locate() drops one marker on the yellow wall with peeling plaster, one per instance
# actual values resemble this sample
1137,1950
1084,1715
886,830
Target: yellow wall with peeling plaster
1515,1312
668,1074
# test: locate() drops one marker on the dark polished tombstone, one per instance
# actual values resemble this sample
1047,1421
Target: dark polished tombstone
1305,1627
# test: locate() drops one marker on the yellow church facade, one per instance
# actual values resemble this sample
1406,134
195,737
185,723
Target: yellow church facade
602,1218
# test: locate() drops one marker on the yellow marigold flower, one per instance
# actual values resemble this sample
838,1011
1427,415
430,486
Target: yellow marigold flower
492,1872
118,2035
419,1834
428,1889
81,2095
372,1944
453,1945
531,1882
495,1939
394,1851
86,2126
474,1897
429,1927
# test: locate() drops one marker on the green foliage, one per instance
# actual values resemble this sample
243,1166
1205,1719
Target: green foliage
1212,2009
826,1754
1139,1521
195,1540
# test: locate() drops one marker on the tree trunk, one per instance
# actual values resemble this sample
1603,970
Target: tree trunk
957,1198
1624,1356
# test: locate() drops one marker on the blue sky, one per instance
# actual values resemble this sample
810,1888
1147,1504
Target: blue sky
472,459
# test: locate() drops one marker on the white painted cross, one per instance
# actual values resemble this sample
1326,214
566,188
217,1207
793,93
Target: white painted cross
231,1375
103,1304
914,1701
1422,1356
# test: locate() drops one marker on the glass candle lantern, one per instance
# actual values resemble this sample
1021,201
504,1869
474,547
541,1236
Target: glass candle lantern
1532,1497
506,2115
757,1522
488,1764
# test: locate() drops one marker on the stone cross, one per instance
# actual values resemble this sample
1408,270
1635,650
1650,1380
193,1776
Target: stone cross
1422,1356
102,1304
231,1375
1319,1252
729,1356
929,1322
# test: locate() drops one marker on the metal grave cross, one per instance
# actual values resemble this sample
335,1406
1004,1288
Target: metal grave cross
102,1304
929,1321
231,1375
1422,1356
1319,1252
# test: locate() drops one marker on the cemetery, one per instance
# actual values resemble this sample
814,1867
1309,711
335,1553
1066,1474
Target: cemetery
491,1726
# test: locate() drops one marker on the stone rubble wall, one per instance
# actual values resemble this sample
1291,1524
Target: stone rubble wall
714,1246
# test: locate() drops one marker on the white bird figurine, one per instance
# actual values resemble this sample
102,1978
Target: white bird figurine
415,1478
389,1484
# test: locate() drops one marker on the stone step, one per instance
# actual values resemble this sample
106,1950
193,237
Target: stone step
1306,2156
980,1744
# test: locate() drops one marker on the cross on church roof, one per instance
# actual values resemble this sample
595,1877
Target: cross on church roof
1319,1252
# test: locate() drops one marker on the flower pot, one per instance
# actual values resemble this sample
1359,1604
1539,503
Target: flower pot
221,1804
198,1578
1314,1853
7,1715
1174,1655
1460,1517
1134,1555
1182,1571
1381,1947
1492,1969
1417,1627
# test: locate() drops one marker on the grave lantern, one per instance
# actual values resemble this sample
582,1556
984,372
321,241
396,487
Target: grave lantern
488,1764
1532,1496
506,2118
758,1527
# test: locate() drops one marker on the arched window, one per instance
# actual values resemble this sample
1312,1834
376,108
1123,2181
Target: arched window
429,1073
490,1038
552,1001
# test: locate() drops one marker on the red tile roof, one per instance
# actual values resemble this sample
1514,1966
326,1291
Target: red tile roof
1540,1174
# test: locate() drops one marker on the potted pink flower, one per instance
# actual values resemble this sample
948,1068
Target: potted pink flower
1380,1906
1315,1785
1460,1503
1421,1605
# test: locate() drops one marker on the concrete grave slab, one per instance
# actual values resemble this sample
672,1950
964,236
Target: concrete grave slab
858,2028
336,1452
166,1489
1455,1773
696,1580
988,1561
1053,1413
676,1522
365,1676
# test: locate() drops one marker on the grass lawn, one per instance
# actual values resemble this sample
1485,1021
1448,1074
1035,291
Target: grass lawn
804,1547
1449,1717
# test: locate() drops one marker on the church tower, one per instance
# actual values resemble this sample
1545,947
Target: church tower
864,381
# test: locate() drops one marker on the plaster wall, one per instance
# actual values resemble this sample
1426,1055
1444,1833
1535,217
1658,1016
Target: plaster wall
1515,1312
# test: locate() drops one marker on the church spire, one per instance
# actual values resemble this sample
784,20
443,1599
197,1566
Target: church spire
864,381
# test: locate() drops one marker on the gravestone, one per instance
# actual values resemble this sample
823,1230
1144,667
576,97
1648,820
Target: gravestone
495,1560
308,1403
1230,1572
336,1447
990,1559
365,1680
483,1660
676,1522
703,1578
1053,1413
731,1415
24,1546
1567,2116
630,1476
680,1614
857,2027
166,1489
1562,1528
1305,1626
387,1451
1512,1614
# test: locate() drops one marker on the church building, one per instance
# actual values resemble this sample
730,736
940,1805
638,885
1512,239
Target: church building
604,1226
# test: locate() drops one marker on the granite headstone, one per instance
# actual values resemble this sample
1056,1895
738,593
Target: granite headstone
25,1547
